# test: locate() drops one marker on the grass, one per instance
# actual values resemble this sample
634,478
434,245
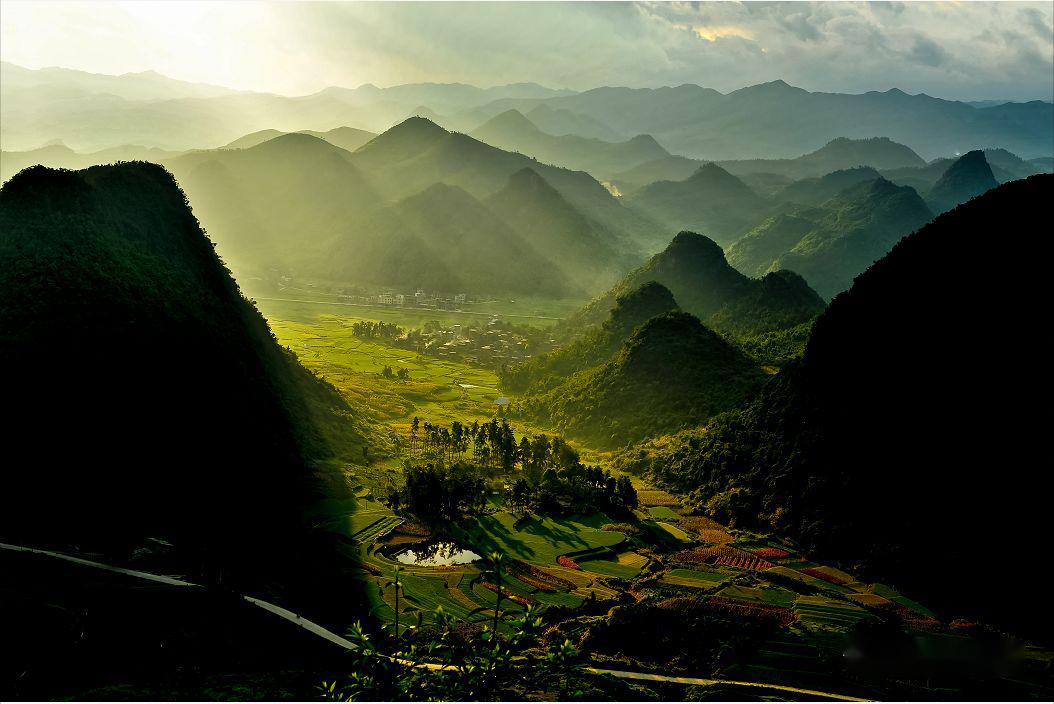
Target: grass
697,579
664,513
774,596
674,531
539,539
610,568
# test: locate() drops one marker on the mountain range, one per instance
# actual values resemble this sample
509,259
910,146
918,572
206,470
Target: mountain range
512,131
91,112
834,242
900,390
694,269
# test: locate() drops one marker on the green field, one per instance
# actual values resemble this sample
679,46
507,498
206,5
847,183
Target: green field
539,539
664,513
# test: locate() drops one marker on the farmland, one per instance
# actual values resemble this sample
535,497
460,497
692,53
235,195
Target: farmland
657,555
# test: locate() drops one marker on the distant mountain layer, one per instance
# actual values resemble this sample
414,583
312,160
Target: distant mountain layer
711,201
178,417
905,398
344,137
834,242
772,120
513,132
415,207
703,283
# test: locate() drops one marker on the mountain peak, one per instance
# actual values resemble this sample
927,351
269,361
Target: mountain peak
969,176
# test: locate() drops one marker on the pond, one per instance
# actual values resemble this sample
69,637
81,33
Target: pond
438,554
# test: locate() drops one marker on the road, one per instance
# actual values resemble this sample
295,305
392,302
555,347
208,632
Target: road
332,637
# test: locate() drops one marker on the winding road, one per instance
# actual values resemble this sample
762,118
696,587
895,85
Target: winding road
332,637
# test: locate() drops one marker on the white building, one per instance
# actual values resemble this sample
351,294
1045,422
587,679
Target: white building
400,299
385,299
459,298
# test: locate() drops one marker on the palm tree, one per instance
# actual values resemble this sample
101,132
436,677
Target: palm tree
497,561
398,584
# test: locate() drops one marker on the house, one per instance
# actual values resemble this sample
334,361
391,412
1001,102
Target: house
400,299
459,298
385,299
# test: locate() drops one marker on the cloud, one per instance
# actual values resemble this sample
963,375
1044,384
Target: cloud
956,50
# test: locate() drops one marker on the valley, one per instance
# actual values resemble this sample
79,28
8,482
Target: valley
433,391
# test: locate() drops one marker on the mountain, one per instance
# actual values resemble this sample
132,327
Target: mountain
561,122
669,168
816,191
578,246
671,373
694,269
904,401
831,244
778,120
630,310
62,157
443,239
513,132
838,154
1006,166
711,200
145,85
968,177
277,204
417,153
179,418
347,138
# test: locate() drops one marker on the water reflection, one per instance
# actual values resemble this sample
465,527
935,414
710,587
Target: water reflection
438,554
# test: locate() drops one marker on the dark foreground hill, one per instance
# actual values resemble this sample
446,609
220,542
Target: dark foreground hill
671,373
906,443
695,271
148,398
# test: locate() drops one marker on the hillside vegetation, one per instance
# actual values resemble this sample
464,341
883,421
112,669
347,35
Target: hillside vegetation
152,400
831,244
862,451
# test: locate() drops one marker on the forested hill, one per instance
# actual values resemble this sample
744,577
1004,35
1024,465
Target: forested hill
148,398
671,373
694,268
905,442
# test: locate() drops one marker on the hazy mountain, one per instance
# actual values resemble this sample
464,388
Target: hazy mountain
178,395
968,177
146,85
277,204
442,239
831,244
887,397
711,200
838,154
513,132
1006,166
672,373
695,271
347,138
581,248
816,191
669,168
561,122
62,157
91,112
417,153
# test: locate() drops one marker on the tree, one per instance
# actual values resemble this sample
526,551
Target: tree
496,561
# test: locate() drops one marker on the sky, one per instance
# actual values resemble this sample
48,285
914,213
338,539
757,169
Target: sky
966,51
